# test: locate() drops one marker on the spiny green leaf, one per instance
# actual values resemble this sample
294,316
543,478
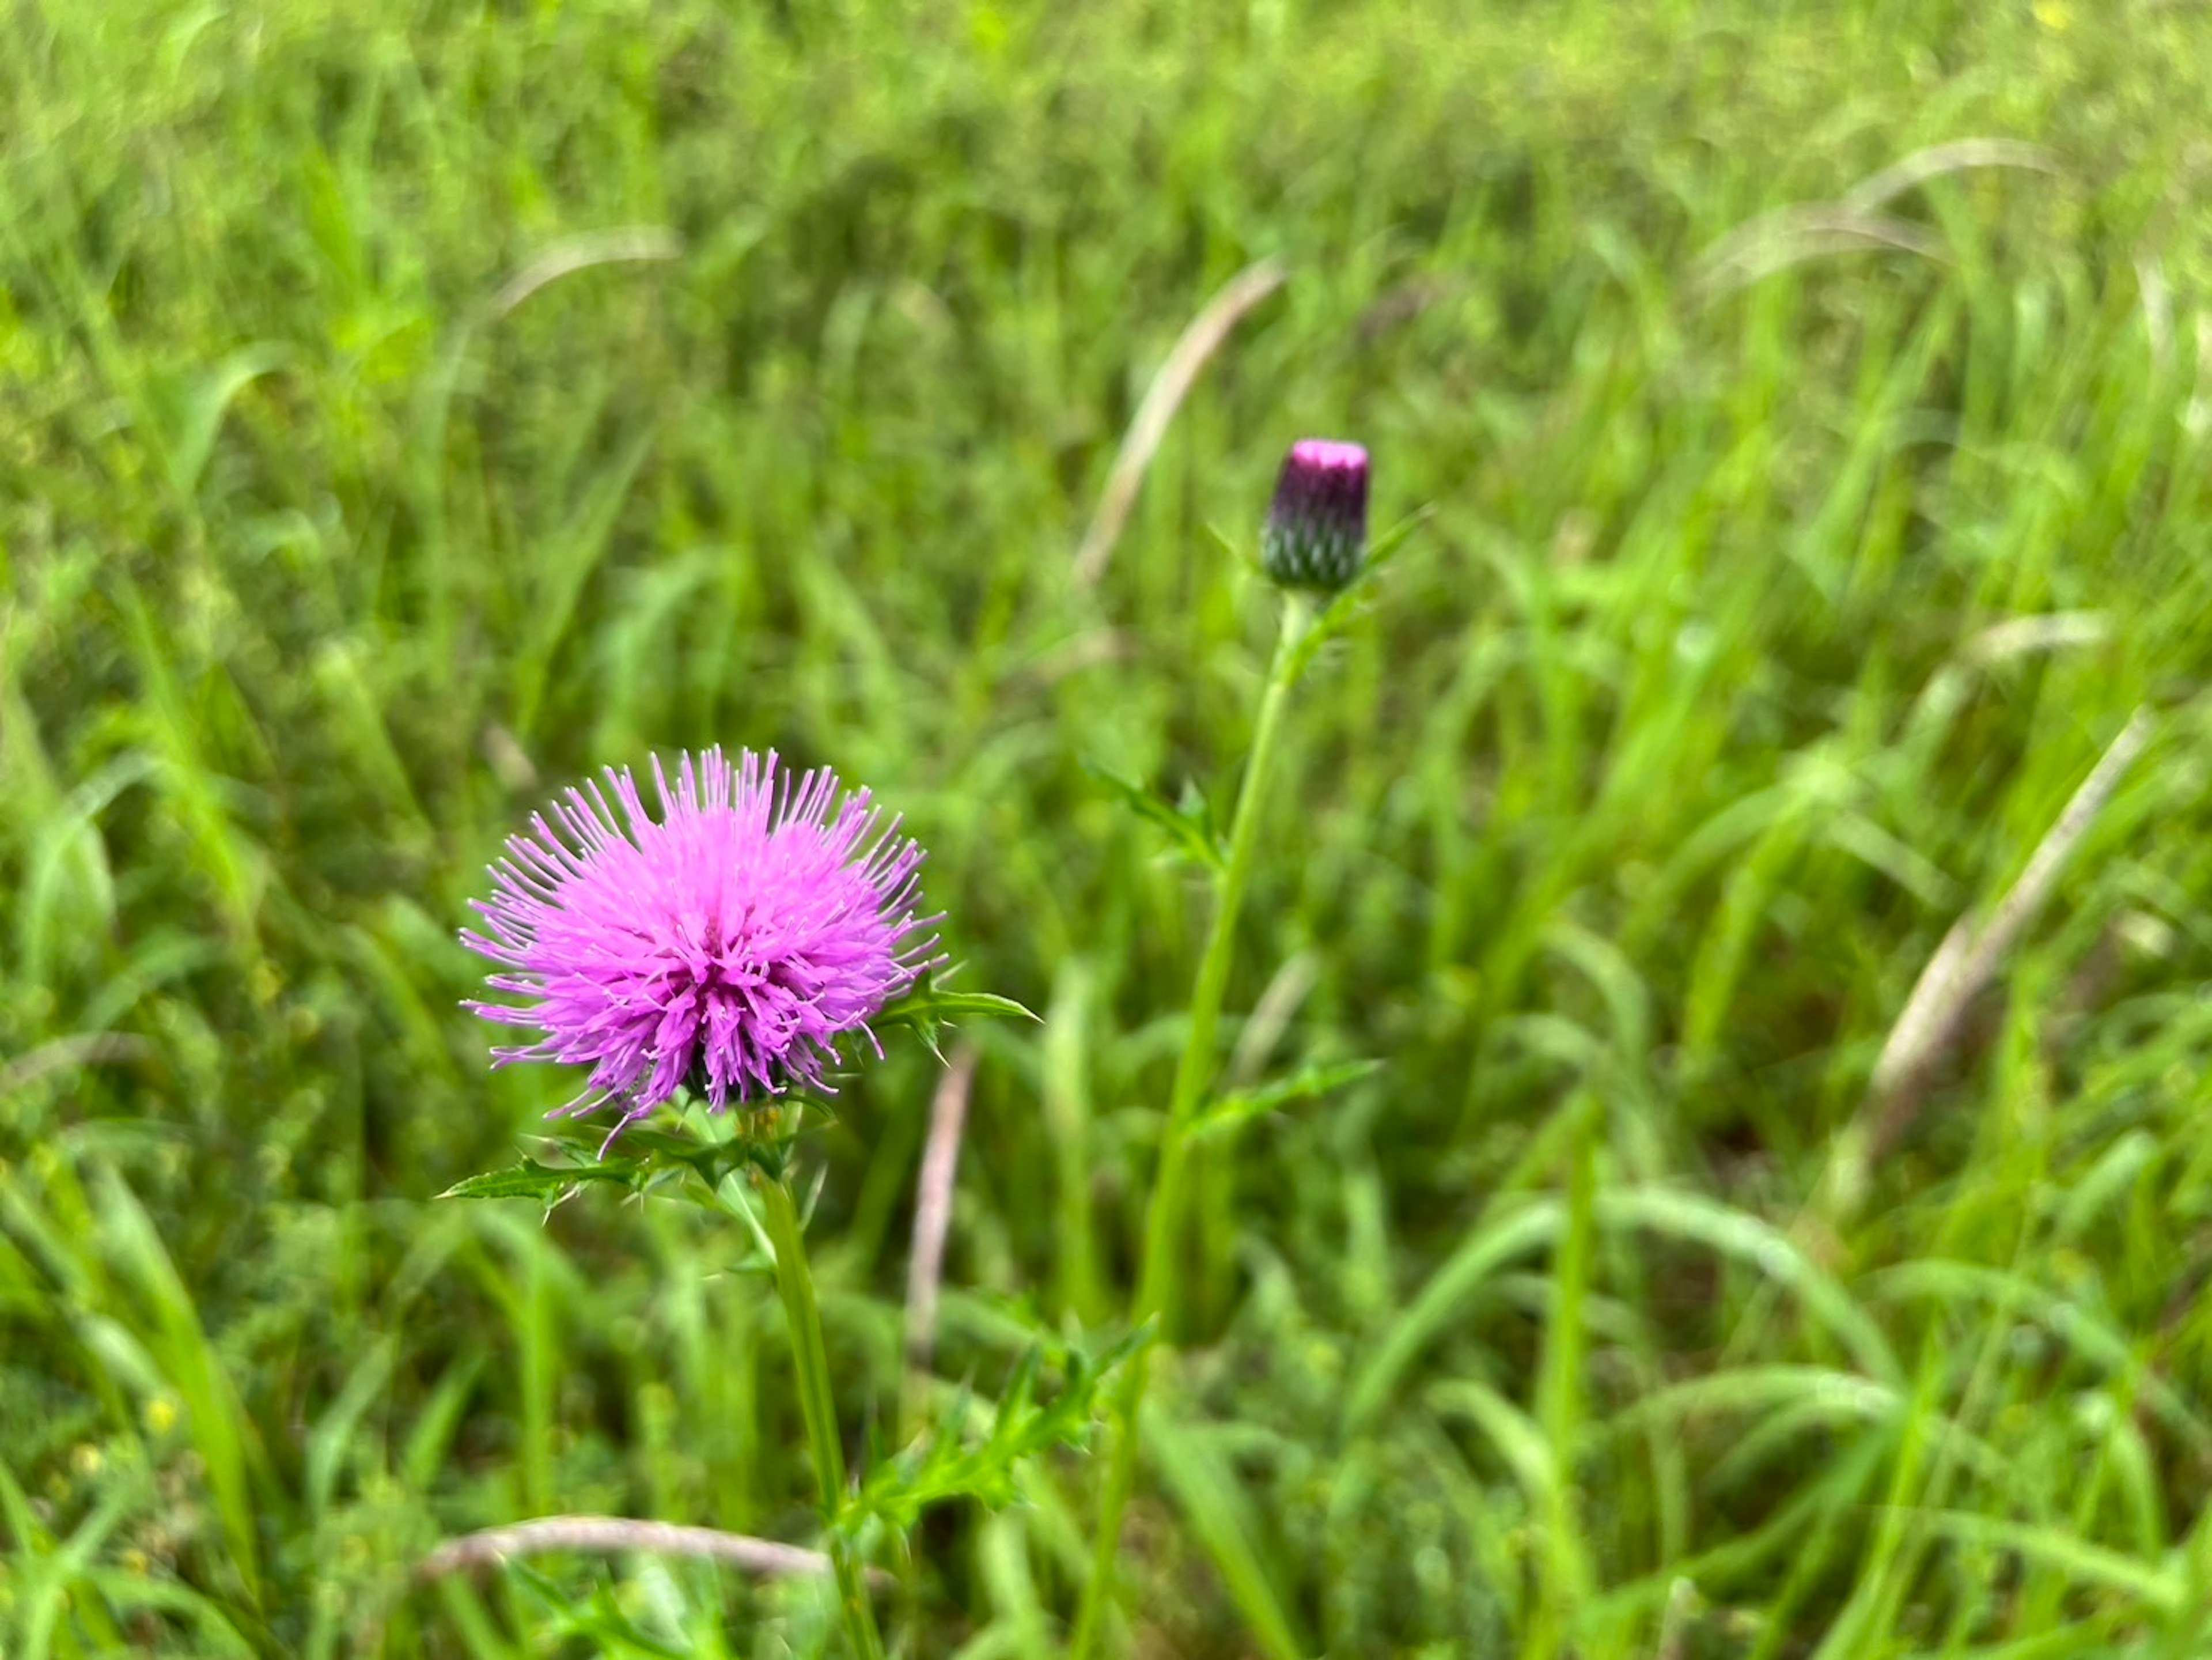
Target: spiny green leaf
591,1612
549,1183
713,1160
1339,611
1190,827
926,1009
948,1463
948,1004
666,1146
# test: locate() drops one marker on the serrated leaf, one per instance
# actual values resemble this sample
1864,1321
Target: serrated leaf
682,1149
712,1160
1197,812
1231,1112
947,1005
1190,827
948,1463
659,1154
549,1183
1021,1388
926,1009
1347,605
1097,1365
593,1613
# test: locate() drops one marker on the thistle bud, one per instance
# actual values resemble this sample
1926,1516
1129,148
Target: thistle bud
1316,530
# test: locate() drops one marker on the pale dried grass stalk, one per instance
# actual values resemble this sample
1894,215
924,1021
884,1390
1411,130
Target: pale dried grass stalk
1163,398
932,1205
624,244
1808,230
612,1534
1968,960
1959,156
89,1049
2045,632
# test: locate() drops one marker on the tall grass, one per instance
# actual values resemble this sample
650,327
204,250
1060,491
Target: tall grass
405,409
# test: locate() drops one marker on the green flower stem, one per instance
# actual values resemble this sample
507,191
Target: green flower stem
796,1287
1163,1214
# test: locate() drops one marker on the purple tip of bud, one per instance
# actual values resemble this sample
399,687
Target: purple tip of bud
1330,453
1316,531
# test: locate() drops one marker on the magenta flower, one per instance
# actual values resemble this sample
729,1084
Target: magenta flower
1315,535
729,943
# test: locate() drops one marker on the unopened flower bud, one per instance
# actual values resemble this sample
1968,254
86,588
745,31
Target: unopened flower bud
1316,531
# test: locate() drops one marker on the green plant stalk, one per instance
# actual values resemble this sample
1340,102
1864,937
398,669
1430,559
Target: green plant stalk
796,1287
1164,1214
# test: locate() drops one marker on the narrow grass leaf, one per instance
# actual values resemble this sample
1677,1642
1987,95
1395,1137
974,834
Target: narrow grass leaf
1207,1491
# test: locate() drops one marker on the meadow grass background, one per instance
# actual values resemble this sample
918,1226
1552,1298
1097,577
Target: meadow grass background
1699,710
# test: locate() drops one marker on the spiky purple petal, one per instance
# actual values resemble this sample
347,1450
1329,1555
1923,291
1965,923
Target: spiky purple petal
729,943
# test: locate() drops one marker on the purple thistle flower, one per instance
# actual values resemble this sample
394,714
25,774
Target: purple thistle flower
1316,531
728,944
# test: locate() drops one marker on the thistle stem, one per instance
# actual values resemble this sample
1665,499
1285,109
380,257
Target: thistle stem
795,1285
1164,1214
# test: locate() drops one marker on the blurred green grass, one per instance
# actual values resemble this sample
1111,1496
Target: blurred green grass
352,498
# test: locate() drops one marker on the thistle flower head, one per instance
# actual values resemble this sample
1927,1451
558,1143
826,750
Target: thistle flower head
729,943
1316,531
